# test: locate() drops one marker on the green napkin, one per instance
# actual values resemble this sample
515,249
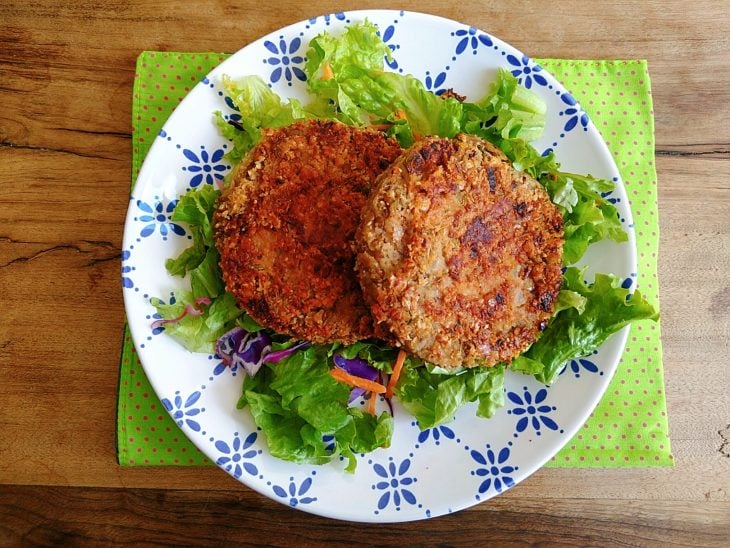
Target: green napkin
629,426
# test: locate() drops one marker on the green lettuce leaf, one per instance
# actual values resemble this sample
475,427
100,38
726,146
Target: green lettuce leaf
434,397
587,216
259,108
190,258
526,366
425,112
196,210
343,72
571,334
509,111
205,279
199,263
570,299
347,72
200,260
288,436
306,386
363,434
198,333
296,402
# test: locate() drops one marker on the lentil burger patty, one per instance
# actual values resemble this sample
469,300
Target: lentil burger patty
459,254
285,228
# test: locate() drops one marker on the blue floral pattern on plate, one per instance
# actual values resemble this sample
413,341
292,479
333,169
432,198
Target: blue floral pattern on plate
435,83
436,434
156,316
295,494
127,282
285,59
526,72
395,484
387,37
574,114
156,218
205,167
220,367
495,469
471,38
581,365
236,457
532,411
182,411
330,17
234,116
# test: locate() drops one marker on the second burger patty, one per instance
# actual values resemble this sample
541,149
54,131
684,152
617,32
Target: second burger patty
285,228
459,254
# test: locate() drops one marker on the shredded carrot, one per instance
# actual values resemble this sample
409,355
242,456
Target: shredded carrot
327,73
343,376
381,127
371,403
400,115
397,368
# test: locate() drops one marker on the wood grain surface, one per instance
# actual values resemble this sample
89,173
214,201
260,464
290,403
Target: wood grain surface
66,73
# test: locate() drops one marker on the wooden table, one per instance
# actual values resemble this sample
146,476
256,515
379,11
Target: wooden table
65,96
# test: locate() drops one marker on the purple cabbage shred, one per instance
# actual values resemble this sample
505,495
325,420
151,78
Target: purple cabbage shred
358,368
240,348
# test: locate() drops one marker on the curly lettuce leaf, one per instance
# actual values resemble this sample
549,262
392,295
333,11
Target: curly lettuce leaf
206,279
509,111
199,263
425,112
198,333
196,210
434,397
510,116
259,107
363,434
587,216
608,307
200,260
288,436
344,72
525,157
190,258
570,299
296,402
348,72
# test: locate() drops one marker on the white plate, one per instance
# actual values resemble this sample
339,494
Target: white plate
423,474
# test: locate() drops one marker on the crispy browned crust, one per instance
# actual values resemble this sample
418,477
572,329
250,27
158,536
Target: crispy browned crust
459,254
285,227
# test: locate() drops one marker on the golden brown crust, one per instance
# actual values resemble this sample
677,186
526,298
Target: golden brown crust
460,255
285,228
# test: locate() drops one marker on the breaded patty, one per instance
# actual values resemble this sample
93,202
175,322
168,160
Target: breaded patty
459,254
285,228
